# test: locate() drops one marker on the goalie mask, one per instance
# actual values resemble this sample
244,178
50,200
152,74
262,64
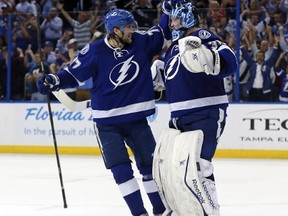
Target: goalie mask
119,18
188,16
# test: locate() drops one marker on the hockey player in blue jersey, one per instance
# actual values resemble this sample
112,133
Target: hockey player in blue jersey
121,98
194,67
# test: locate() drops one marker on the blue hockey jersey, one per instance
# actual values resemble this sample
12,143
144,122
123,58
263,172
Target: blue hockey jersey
122,84
187,91
283,95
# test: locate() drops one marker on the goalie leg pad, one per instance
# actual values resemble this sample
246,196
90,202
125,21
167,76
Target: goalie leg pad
189,180
161,167
187,196
180,173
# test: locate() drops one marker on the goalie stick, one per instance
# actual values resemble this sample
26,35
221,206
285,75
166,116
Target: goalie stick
70,104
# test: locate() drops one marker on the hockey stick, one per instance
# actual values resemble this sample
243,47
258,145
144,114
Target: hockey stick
71,104
50,111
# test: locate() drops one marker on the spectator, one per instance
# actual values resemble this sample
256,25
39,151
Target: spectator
83,5
144,13
6,6
17,73
29,28
244,71
215,13
5,9
278,19
64,60
61,52
283,34
255,8
73,49
282,72
260,24
97,24
284,6
62,43
82,26
2,42
48,5
230,7
48,50
52,26
3,21
264,44
20,35
23,7
34,68
259,84
272,6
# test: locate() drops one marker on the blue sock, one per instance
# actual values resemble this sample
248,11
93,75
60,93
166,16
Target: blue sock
151,190
129,188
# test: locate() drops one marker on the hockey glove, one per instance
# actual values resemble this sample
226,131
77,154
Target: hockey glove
48,83
167,6
157,70
198,58
189,43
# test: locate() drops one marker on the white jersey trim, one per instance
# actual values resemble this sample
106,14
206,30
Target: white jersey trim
197,103
285,99
129,109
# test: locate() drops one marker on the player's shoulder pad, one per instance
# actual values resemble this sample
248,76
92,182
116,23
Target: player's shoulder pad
89,48
205,35
85,49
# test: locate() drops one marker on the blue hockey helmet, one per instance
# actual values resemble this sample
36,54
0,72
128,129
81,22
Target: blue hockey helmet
118,18
188,16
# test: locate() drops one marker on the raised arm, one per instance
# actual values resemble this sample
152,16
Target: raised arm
65,14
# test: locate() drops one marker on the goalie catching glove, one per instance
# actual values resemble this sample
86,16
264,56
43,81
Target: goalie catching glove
197,58
48,83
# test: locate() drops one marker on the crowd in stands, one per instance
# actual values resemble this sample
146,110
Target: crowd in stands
66,26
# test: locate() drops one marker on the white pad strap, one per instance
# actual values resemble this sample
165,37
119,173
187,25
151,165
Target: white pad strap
206,167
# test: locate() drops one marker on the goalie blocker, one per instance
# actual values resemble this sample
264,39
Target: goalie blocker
180,173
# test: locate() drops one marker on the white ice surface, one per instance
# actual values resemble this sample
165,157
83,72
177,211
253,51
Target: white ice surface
30,186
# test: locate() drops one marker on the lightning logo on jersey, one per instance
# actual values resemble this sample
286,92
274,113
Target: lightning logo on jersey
173,64
124,72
